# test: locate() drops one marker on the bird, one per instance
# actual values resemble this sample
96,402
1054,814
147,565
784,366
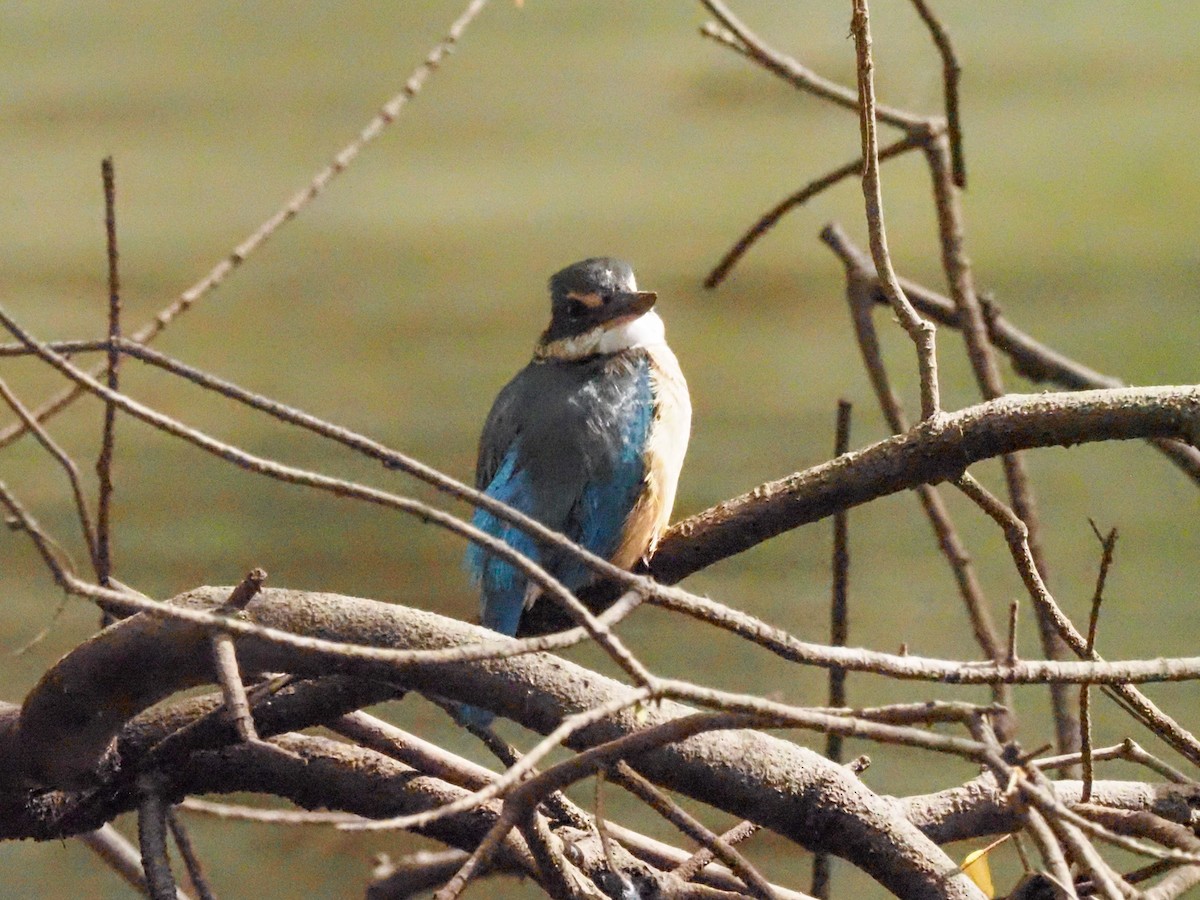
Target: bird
588,439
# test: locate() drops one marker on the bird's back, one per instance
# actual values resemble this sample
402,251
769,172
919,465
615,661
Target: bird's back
565,444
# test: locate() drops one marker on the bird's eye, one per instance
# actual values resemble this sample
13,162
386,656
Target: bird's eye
576,309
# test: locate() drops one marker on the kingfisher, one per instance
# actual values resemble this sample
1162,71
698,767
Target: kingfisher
588,438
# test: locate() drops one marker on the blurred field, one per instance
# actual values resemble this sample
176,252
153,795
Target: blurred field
401,301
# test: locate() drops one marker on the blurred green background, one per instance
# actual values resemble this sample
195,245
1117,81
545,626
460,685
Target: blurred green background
401,301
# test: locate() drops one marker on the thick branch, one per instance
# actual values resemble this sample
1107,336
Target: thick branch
778,784
980,807
930,453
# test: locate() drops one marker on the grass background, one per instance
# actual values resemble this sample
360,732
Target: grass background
401,301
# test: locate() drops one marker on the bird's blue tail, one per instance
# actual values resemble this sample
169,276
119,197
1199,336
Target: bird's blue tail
473,715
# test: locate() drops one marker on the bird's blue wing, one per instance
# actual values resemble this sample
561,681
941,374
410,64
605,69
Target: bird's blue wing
598,520
502,586
569,452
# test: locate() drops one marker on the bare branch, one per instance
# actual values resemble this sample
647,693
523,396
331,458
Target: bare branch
951,545
1029,357
121,856
104,462
693,828
1108,545
737,36
920,331
1016,535
152,835
191,860
388,114
65,461
951,73
931,452
771,218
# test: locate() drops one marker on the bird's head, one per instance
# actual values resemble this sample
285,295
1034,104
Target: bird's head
596,308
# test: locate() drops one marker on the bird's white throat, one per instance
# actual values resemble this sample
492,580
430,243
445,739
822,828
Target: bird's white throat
643,331
646,330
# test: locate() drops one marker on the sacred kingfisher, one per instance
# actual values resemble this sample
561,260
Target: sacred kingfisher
588,438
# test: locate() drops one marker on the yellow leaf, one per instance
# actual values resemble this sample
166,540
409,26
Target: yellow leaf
975,866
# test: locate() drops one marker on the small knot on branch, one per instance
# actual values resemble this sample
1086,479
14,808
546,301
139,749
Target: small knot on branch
241,596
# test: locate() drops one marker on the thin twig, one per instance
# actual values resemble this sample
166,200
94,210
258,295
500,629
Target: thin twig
187,851
1016,535
1108,544
1052,856
478,859
921,331
973,327
68,465
637,784
838,631
1014,609
601,830
951,73
949,542
1030,358
246,591
387,114
771,218
1128,750
691,867
557,876
266,816
516,773
120,856
104,461
735,35
237,706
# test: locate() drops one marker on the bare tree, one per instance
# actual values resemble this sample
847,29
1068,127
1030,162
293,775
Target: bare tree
107,731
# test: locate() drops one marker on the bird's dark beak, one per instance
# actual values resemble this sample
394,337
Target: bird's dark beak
628,305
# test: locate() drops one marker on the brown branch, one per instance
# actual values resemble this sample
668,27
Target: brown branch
1108,546
104,461
838,631
693,828
191,860
983,807
1052,855
237,707
951,73
65,461
152,835
738,37
120,856
1128,750
1030,358
920,331
839,625
930,453
973,327
969,588
801,795
771,217
433,760
695,864
1016,535
387,114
